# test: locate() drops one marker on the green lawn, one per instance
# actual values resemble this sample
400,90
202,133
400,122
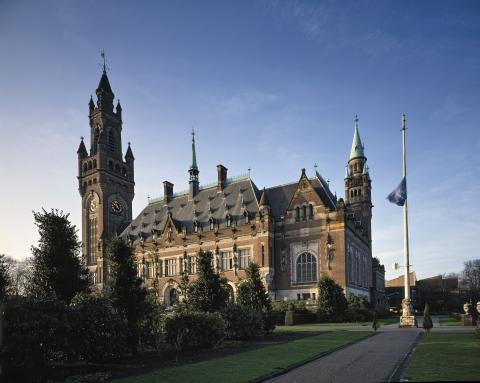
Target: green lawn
447,320
445,357
250,365
314,327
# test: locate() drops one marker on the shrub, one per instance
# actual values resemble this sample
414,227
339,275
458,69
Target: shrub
357,309
190,330
331,300
152,323
35,333
242,322
97,331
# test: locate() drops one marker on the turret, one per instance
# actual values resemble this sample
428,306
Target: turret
105,94
264,203
129,159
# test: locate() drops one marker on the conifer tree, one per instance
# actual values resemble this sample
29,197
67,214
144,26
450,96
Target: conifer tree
125,289
331,299
57,270
252,292
427,320
209,292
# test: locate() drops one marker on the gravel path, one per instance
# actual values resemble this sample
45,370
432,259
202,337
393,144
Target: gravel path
371,360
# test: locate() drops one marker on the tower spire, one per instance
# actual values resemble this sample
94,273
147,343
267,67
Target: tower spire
194,186
193,165
357,146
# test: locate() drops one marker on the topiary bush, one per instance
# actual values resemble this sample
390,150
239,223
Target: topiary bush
289,315
97,331
193,330
242,323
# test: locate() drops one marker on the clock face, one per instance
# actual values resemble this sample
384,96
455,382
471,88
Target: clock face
93,205
117,206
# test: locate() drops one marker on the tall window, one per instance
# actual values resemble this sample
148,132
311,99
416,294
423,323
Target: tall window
227,260
244,258
192,264
297,213
306,268
170,267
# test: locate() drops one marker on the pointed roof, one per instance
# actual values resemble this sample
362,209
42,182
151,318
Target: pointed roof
129,153
357,146
91,104
347,172
194,155
119,107
82,150
264,199
104,84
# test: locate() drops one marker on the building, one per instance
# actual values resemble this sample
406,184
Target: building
395,291
294,232
379,298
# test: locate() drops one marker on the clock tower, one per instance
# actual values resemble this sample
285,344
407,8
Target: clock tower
105,180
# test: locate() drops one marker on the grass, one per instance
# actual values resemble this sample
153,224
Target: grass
316,327
447,320
250,365
445,357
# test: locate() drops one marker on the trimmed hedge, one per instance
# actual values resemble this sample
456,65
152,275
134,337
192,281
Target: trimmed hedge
194,330
242,322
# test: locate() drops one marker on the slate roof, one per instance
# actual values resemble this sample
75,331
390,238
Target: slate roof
239,195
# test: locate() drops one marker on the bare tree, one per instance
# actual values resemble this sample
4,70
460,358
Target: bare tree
471,278
18,271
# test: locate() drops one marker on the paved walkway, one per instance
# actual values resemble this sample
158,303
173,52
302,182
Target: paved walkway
371,360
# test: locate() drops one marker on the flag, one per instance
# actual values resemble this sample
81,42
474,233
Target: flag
399,195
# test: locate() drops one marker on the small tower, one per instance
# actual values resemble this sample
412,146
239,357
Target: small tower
105,180
194,185
358,183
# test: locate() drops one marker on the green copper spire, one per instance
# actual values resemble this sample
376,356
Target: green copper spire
357,147
347,172
194,155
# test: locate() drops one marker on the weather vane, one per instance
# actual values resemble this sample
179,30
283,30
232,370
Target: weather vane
104,65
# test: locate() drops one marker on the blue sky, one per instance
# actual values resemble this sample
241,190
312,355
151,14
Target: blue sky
273,85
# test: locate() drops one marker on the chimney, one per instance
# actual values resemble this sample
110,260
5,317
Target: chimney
222,177
167,191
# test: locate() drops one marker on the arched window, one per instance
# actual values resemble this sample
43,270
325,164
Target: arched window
90,165
124,171
111,140
304,212
117,168
212,222
310,212
297,213
195,226
355,192
306,268
351,193
85,167
229,220
359,192
110,165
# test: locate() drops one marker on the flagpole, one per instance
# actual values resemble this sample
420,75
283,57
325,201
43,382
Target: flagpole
407,319
405,216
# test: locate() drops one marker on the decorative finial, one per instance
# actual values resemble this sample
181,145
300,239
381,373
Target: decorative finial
328,181
193,134
315,166
81,138
148,197
403,121
104,65
249,170
128,143
356,120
